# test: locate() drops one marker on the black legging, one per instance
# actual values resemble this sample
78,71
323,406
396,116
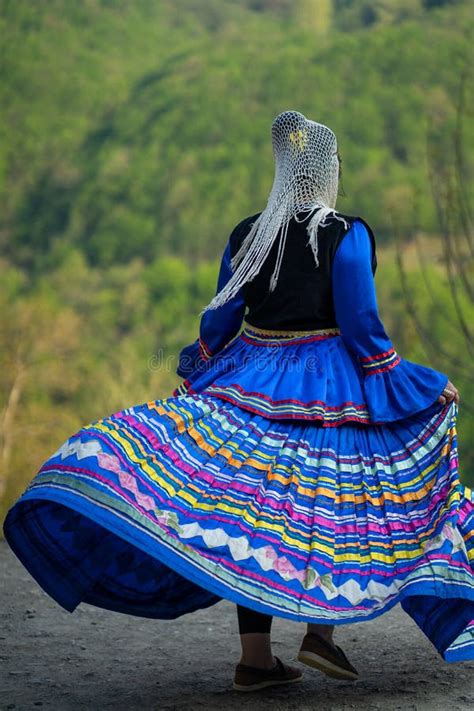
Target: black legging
252,621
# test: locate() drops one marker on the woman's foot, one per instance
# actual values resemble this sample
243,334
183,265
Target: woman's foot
250,678
321,653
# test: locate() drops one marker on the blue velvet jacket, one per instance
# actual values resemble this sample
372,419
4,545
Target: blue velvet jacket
366,375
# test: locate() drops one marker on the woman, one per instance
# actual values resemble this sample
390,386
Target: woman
302,469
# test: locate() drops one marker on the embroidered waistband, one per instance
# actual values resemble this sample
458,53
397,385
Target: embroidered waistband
263,334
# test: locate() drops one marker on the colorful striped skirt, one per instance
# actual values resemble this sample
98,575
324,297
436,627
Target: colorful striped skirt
171,505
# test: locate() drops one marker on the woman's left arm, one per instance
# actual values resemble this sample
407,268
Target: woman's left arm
394,388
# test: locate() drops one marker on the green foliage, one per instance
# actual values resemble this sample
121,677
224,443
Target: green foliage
367,13
136,152
436,339
135,135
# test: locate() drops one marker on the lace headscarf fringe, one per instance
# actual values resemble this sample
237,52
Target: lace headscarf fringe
306,180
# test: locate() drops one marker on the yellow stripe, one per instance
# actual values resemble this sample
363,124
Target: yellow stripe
257,523
289,334
113,430
379,362
275,475
265,407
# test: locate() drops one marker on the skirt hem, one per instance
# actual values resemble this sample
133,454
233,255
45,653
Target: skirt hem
162,552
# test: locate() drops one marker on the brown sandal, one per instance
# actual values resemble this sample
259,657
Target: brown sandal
316,652
249,678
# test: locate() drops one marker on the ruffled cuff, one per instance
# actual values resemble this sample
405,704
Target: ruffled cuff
190,366
396,388
193,361
190,359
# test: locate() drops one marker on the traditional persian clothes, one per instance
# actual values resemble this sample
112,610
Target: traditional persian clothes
302,469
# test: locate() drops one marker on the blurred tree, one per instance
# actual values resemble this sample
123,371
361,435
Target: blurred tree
443,311
438,3
314,15
35,340
365,13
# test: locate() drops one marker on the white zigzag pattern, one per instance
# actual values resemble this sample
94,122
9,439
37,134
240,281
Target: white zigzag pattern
81,449
351,590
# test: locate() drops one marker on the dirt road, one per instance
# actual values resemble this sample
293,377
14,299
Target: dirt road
94,659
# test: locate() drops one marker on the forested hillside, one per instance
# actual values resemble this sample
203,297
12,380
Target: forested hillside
135,134
130,124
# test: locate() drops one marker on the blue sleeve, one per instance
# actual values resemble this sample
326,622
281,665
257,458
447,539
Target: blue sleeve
217,328
394,388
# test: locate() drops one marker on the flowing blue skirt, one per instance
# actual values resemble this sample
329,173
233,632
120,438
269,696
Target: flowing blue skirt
171,505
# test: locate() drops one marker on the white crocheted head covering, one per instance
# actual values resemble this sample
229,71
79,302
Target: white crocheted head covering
306,180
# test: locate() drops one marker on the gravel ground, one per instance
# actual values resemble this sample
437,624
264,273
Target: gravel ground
95,659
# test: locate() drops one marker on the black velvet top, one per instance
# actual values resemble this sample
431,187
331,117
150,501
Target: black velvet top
302,298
